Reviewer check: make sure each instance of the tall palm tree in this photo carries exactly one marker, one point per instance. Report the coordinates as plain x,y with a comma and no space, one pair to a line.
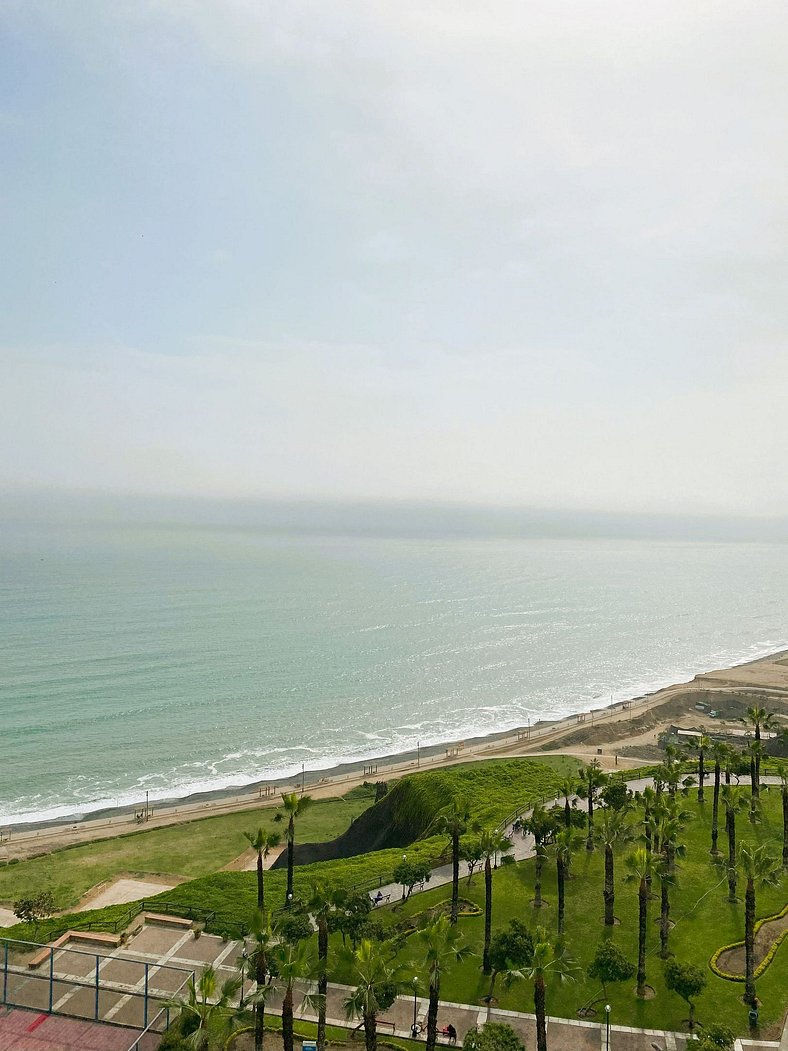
294,962
209,1008
321,903
784,796
640,866
263,842
293,806
376,988
547,960
453,821
732,801
492,842
720,753
441,944
759,719
650,800
671,826
671,767
542,827
613,830
758,866
702,746
565,843
262,935
591,780
754,751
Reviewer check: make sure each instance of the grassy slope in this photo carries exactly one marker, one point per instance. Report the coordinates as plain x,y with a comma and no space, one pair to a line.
191,849
704,922
495,789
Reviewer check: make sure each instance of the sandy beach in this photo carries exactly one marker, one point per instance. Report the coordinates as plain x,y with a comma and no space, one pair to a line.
621,736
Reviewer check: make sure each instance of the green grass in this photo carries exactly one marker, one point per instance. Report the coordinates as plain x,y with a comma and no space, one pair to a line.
704,922
187,850
495,788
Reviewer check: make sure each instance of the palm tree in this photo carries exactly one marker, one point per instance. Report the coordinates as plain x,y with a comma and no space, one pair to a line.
548,959
758,866
592,780
321,903
671,768
293,962
377,987
640,866
208,1008
702,745
441,944
492,842
784,795
755,751
732,802
541,825
613,830
719,753
260,930
293,806
759,719
671,825
565,843
263,842
568,789
650,800
453,821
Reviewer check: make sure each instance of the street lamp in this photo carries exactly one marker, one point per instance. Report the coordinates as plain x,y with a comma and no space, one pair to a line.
414,1029
607,1027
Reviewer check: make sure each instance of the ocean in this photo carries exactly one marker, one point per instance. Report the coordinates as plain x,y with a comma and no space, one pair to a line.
178,658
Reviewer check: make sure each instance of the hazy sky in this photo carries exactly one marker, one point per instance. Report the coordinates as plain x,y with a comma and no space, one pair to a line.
517,252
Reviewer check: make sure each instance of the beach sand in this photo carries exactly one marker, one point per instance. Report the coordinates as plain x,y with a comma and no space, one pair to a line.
620,736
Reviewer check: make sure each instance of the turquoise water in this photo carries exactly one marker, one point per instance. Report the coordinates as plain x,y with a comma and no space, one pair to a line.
174,659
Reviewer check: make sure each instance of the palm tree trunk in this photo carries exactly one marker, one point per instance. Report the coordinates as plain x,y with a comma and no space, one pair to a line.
749,942
715,810
432,1018
567,813
455,876
609,893
539,1011
664,920
730,828
287,1019
701,775
322,981
370,1031
290,844
561,877
642,919
259,1008
538,877
260,883
486,965
590,839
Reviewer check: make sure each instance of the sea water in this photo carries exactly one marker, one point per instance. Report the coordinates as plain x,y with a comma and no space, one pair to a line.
177,659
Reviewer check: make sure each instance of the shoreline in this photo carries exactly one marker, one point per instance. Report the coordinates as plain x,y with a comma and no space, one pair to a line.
762,675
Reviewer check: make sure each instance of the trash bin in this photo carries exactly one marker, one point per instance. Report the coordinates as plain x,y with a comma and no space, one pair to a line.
753,1016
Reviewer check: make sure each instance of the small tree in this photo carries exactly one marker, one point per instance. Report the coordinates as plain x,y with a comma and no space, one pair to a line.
688,981
409,873
510,949
34,909
493,1036
615,794
609,965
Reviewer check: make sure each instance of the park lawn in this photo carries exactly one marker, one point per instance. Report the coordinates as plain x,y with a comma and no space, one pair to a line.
185,851
704,922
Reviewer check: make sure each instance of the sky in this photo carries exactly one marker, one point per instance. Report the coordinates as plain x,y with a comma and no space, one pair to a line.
513,253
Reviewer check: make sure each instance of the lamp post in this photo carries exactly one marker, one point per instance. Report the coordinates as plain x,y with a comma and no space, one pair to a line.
607,1027
289,900
414,1029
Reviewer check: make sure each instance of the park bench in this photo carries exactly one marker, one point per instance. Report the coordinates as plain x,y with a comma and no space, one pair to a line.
88,937
163,920
380,901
